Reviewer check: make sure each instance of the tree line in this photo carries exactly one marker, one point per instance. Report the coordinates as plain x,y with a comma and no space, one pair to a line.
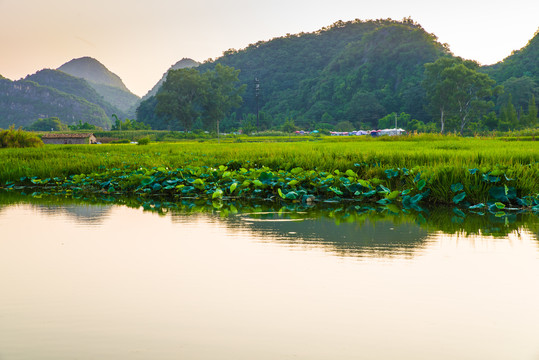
355,75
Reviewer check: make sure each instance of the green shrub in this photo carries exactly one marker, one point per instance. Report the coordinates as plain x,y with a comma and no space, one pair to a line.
144,141
120,141
12,138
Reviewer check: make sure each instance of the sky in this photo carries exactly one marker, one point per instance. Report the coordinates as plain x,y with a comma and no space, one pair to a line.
140,39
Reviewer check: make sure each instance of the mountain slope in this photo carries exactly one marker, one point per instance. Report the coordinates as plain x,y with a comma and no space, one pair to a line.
520,63
75,86
355,71
106,83
376,75
182,64
23,102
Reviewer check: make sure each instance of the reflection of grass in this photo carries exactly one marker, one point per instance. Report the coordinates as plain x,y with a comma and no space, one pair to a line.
434,219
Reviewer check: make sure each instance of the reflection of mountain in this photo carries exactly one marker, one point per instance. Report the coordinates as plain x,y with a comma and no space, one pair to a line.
82,214
370,238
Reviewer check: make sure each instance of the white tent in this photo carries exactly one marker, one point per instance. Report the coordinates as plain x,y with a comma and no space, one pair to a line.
392,132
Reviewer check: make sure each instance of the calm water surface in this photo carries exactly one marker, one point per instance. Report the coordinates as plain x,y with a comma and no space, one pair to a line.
111,282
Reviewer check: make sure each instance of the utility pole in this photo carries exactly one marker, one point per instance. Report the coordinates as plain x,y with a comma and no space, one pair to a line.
257,93
395,121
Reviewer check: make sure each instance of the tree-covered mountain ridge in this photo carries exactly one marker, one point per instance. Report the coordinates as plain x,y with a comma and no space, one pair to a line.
522,62
23,102
354,72
71,98
76,86
106,83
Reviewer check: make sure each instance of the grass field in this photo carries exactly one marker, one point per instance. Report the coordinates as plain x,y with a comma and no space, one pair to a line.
441,160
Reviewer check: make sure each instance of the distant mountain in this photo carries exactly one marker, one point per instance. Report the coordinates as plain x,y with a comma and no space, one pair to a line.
92,70
182,64
76,86
23,102
106,83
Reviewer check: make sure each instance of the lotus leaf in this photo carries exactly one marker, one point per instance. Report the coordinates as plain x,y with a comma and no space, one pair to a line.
499,205
459,197
457,187
351,173
393,195
292,183
217,194
291,195
459,212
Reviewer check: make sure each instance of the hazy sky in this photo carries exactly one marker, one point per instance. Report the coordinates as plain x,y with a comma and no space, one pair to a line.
140,39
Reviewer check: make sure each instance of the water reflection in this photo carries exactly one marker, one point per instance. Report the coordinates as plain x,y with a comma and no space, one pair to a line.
344,230
260,281
380,238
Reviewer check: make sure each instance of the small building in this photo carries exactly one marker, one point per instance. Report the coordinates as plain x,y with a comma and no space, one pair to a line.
69,139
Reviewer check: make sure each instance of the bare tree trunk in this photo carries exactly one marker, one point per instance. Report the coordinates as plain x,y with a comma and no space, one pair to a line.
442,120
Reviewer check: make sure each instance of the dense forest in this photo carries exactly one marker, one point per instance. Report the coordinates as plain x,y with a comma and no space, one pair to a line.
361,74
84,96
23,102
76,86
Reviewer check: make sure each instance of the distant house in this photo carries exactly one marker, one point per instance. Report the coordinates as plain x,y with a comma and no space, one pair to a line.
69,139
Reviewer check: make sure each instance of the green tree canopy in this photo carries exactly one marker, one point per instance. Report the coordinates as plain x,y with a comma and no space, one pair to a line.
48,124
188,95
220,94
129,124
85,126
455,88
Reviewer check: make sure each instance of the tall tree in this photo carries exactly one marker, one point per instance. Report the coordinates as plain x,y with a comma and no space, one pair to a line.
438,89
471,92
508,115
531,117
220,94
455,87
178,100
188,96
521,90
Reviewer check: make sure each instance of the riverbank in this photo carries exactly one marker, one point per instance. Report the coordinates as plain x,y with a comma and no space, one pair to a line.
485,174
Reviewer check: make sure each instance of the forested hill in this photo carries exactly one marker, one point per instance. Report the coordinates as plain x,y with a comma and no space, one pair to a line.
75,86
351,71
523,62
519,76
360,75
23,102
105,82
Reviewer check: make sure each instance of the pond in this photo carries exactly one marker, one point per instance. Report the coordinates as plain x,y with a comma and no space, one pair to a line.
104,281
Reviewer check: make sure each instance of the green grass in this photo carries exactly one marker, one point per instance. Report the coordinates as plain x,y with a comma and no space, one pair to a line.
327,155
441,160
